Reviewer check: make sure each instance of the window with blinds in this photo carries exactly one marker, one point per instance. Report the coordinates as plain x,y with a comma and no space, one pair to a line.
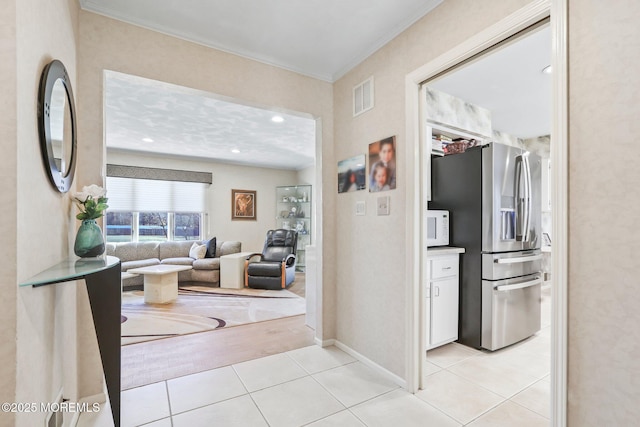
154,209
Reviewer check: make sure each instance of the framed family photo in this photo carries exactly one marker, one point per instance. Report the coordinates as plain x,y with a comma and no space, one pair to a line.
243,205
382,161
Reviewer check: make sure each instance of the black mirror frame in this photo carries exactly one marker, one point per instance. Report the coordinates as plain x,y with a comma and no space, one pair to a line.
53,72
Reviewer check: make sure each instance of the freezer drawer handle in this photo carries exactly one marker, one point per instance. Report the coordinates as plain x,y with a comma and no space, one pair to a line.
527,284
518,259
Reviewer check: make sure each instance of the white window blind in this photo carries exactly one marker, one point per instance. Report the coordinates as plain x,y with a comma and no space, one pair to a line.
144,195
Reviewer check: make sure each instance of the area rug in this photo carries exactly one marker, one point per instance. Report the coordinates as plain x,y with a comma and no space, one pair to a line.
200,309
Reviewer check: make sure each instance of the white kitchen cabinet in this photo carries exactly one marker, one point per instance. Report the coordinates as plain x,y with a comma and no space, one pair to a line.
442,296
444,311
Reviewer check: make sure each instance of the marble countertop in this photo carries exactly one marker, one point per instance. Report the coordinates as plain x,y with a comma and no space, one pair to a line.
444,250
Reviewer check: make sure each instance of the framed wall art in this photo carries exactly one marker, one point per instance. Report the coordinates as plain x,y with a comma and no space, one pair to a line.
243,205
352,174
382,161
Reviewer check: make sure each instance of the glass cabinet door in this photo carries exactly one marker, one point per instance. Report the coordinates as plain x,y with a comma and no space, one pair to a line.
293,212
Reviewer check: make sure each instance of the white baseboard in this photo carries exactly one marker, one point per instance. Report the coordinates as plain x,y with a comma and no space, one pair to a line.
370,363
324,343
100,398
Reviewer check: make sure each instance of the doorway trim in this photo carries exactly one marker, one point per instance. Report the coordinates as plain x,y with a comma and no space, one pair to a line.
512,24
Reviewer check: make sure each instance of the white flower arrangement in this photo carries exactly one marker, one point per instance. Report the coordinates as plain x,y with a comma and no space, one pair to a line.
91,201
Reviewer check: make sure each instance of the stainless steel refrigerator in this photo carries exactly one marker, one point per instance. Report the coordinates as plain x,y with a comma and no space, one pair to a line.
493,195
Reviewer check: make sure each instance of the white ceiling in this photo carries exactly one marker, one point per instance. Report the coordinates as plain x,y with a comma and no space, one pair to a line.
510,83
323,39
320,38
187,122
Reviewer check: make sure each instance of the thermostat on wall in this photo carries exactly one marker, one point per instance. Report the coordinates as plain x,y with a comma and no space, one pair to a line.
360,208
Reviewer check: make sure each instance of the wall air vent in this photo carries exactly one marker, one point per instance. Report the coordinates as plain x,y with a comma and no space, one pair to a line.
363,97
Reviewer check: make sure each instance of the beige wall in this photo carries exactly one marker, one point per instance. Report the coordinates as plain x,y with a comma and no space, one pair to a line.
48,326
106,44
225,178
8,207
604,99
604,201
371,276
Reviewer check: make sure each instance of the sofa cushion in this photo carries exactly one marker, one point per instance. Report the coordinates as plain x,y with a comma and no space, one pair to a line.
197,251
211,248
227,248
206,264
126,265
205,276
176,249
135,251
178,261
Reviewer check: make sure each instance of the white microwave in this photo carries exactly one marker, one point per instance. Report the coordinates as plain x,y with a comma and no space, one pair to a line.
437,228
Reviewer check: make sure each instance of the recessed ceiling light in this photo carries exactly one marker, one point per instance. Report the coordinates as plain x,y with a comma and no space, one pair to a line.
277,119
235,151
547,69
147,139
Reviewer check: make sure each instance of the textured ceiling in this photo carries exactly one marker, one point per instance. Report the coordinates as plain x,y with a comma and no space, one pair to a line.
192,123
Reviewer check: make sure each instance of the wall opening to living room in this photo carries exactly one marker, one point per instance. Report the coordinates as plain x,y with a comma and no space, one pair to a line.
153,126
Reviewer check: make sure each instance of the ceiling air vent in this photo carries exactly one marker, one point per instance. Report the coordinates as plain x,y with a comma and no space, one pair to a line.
363,97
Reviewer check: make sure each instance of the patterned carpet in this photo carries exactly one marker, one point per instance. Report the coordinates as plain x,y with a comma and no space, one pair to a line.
199,309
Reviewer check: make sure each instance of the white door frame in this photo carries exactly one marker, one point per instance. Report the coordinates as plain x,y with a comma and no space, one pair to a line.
521,19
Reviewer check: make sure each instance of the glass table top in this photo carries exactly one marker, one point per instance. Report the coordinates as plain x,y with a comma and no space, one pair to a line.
71,269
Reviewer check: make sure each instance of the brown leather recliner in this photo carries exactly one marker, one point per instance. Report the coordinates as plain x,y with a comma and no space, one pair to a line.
276,266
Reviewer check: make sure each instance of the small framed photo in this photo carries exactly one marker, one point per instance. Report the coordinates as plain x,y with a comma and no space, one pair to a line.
352,174
243,205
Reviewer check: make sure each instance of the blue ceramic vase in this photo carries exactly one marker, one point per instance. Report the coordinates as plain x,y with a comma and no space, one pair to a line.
89,240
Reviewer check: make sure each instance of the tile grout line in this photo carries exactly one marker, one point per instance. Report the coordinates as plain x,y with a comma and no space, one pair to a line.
251,395
504,399
166,388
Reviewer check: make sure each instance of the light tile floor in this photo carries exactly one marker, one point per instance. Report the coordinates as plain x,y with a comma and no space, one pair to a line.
324,387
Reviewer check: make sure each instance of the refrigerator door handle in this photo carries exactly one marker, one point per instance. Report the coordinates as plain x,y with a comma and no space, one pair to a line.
527,284
518,196
517,260
527,196
523,197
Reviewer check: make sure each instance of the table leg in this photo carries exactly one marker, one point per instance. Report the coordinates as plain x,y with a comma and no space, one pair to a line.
160,288
105,296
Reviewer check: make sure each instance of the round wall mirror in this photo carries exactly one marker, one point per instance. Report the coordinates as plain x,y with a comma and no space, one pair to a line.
57,125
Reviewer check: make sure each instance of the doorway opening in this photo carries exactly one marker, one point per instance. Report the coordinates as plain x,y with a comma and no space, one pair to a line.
156,126
467,54
492,312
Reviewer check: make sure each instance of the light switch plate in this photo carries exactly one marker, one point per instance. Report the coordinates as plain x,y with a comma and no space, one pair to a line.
383,205
361,208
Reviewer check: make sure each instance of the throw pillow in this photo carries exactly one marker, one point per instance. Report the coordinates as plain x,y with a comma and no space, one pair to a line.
211,248
197,251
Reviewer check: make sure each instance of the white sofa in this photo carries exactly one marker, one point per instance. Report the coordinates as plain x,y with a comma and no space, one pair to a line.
143,254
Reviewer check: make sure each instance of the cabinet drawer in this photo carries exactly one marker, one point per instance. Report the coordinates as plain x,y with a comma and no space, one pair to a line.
444,267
